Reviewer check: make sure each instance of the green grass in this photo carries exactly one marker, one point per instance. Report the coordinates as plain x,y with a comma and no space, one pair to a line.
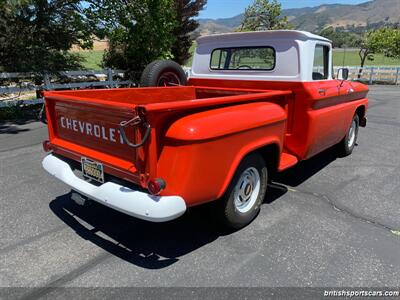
92,59
351,58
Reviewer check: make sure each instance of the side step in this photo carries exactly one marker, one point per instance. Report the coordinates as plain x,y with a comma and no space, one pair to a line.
287,161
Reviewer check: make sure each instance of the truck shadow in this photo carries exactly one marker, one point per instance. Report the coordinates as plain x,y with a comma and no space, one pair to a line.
156,246
145,244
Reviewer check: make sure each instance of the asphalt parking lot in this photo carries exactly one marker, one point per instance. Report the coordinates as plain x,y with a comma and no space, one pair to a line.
327,222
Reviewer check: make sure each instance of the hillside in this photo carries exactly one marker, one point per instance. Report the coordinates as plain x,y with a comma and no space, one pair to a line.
371,14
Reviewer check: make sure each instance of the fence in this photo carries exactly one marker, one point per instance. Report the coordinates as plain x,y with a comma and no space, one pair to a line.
371,75
65,80
22,82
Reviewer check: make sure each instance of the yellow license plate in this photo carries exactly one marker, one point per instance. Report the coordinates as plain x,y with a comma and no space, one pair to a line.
92,170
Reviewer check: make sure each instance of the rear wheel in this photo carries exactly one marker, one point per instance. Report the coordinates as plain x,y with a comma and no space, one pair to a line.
245,194
163,73
348,143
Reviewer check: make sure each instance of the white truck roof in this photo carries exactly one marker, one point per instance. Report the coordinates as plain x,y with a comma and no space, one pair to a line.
293,50
261,35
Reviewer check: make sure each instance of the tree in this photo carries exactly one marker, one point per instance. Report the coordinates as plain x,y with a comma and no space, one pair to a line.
264,15
138,31
185,25
36,35
384,40
340,38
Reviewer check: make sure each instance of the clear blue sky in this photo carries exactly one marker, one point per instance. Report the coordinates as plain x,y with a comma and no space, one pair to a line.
228,8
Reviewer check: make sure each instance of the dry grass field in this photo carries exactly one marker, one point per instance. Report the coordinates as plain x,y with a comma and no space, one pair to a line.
98,45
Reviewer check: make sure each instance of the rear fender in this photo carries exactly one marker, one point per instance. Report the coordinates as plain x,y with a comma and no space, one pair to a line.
208,147
225,121
246,150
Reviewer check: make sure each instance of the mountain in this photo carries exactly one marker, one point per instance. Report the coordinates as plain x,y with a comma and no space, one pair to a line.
211,26
367,15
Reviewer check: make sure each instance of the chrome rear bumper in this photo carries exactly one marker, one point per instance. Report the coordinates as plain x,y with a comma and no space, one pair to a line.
134,203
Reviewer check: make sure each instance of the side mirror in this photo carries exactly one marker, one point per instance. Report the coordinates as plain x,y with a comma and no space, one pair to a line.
343,74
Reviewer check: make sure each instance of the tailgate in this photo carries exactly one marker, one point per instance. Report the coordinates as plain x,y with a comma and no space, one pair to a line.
79,128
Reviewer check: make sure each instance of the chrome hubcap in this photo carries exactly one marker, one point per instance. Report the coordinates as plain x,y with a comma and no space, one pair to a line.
352,134
246,190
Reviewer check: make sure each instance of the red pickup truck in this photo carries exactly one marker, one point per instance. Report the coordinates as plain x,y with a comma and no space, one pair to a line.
254,104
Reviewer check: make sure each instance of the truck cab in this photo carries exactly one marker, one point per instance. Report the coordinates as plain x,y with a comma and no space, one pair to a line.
279,55
255,103
287,60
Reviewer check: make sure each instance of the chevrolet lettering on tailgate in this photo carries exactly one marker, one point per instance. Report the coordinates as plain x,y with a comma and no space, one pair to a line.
99,131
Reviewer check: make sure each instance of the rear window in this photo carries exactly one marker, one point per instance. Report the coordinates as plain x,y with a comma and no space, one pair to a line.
243,58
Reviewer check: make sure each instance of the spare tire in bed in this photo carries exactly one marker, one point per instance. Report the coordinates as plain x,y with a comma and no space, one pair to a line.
163,73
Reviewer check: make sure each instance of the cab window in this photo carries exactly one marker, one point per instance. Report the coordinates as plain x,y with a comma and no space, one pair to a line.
321,63
243,58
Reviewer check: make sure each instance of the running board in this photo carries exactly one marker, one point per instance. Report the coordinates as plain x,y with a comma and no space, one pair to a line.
287,161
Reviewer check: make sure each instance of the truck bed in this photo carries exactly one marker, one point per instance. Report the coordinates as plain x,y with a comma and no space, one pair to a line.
87,123
165,97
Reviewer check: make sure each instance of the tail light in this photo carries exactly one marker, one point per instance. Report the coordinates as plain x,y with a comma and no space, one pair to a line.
155,186
47,146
